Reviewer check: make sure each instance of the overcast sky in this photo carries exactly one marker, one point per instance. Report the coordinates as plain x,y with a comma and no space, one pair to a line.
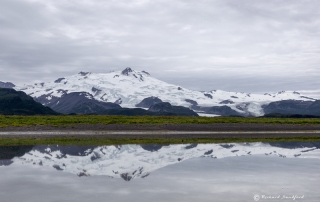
234,45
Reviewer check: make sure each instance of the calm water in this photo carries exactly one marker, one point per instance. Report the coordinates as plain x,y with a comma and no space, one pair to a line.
193,172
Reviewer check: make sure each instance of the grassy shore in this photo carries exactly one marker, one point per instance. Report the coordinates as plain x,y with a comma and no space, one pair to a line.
120,141
20,121
81,122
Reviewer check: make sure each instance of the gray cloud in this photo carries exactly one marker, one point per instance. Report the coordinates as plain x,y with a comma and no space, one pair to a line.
248,45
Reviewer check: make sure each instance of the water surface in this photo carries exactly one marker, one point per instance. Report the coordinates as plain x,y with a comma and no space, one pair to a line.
189,172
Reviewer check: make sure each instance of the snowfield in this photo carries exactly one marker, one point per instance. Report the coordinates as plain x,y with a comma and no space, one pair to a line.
129,87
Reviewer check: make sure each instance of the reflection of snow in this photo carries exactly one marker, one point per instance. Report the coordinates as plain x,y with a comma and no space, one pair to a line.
131,161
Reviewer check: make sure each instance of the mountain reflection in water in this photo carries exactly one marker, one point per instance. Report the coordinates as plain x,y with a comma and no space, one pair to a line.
138,161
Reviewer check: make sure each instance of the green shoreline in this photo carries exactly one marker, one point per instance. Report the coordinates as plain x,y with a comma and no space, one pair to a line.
152,123
19,121
120,141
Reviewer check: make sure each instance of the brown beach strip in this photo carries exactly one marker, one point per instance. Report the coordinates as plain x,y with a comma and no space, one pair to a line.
217,130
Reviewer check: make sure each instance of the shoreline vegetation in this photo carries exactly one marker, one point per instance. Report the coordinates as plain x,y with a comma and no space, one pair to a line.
154,124
121,141
64,120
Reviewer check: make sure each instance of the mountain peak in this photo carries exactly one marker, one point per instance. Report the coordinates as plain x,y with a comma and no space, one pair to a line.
126,71
84,73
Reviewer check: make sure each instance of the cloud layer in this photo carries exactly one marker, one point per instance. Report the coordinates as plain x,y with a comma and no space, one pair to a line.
247,45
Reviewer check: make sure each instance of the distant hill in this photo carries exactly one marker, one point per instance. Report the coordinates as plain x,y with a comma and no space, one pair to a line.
14,102
159,109
167,108
79,103
277,115
148,102
84,103
294,107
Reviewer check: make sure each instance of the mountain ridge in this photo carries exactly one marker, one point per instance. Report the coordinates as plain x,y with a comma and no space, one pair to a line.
130,87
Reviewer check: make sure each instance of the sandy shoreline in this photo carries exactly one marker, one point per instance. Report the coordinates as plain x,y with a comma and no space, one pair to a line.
218,130
161,134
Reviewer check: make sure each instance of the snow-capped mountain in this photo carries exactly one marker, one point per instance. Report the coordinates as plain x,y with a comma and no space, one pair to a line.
138,161
129,87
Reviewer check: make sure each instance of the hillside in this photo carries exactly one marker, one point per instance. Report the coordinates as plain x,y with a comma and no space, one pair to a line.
14,102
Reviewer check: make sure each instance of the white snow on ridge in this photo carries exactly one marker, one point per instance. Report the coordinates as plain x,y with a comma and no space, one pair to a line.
132,161
311,93
133,86
208,115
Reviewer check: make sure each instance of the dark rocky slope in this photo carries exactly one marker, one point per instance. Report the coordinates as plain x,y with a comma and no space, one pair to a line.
166,107
14,102
148,102
80,103
293,107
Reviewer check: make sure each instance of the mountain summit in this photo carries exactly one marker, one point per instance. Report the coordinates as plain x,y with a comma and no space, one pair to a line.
126,71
